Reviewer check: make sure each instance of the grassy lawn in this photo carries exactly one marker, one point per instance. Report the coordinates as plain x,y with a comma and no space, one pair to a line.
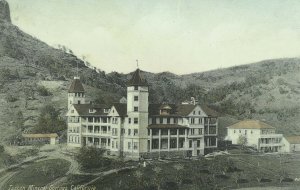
201,174
40,173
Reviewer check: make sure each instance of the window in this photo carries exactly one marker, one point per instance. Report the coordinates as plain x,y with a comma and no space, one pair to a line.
181,131
161,120
173,143
78,101
153,120
116,144
72,111
233,131
194,112
136,109
112,144
97,129
175,120
190,143
168,120
164,131
90,128
198,143
192,120
155,132
136,120
173,131
240,131
135,145
129,131
136,87
245,132
129,145
135,132
90,119
181,142
129,120
164,144
199,112
155,144
136,98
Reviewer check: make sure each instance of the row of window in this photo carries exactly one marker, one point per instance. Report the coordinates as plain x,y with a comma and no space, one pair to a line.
96,129
73,139
133,145
245,131
73,129
73,119
114,144
77,94
135,120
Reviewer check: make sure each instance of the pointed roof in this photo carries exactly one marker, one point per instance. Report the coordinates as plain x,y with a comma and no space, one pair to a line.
76,86
121,109
137,79
251,124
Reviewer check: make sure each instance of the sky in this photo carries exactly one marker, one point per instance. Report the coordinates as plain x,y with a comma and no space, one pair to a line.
180,36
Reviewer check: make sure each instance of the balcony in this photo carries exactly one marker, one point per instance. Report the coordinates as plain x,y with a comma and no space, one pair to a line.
267,136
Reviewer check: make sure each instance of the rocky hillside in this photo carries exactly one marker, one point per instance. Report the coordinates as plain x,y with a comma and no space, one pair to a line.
268,90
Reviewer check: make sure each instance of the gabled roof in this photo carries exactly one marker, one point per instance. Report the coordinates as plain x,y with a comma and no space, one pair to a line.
121,109
180,109
293,139
209,112
137,79
251,124
76,86
185,109
166,126
84,109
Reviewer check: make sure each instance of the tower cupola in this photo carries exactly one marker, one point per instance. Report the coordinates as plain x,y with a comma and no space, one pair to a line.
76,93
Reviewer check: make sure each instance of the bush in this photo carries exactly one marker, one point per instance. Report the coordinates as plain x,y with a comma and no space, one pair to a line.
11,98
43,91
92,157
1,149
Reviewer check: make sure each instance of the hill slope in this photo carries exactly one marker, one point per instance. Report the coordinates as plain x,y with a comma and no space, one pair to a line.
268,90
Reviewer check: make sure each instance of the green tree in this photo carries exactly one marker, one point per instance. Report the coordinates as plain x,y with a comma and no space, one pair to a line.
91,157
50,121
1,149
20,120
242,141
43,91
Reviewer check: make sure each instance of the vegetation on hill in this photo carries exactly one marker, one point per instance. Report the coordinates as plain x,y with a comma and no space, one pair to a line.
33,74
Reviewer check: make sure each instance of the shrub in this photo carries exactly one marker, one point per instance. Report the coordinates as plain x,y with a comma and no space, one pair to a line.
92,157
1,149
43,91
11,98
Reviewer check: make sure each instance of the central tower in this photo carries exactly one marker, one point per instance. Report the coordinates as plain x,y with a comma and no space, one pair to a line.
137,111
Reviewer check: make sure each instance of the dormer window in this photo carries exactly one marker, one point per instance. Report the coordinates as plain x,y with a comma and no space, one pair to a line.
91,110
106,110
165,110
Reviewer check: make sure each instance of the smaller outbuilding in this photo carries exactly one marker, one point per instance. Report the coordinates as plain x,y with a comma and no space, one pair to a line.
291,144
48,138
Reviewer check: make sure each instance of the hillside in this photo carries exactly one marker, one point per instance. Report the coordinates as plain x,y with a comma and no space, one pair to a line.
267,90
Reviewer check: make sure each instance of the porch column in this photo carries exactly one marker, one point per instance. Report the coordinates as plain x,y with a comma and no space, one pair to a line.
177,139
185,138
150,147
168,139
159,141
